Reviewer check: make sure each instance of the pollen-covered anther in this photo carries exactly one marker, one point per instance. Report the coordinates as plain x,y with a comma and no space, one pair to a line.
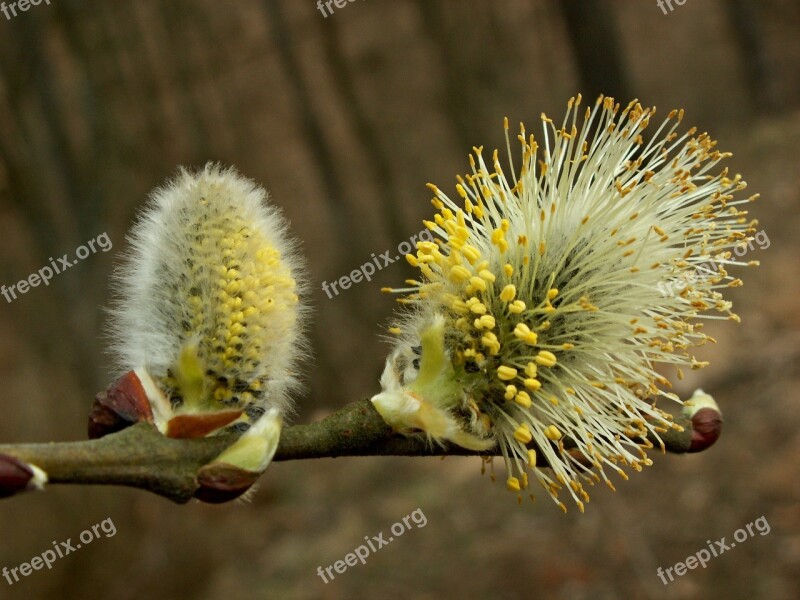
532,384
471,253
477,307
523,333
552,432
516,307
523,399
523,433
485,322
508,293
487,275
459,274
545,359
477,284
490,342
506,373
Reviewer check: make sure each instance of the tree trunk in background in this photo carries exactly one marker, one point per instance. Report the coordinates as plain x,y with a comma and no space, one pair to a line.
593,34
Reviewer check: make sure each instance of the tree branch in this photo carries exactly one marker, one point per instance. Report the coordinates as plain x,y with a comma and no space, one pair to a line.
139,456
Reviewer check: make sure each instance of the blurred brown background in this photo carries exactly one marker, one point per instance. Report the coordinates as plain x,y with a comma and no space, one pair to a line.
344,119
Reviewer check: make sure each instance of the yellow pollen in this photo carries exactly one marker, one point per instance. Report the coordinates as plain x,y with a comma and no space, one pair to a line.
477,283
551,432
523,434
516,307
489,340
523,399
512,483
508,293
459,306
478,308
532,384
511,392
531,458
457,274
471,253
530,369
486,275
395,330
523,333
545,358
508,270
485,322
505,373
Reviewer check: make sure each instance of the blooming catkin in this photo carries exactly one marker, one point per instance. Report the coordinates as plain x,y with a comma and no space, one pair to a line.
539,318
207,312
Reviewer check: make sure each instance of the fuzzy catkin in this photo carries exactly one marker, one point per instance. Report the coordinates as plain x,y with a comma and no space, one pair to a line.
207,302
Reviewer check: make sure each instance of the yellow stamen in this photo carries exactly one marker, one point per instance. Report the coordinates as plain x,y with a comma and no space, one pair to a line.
523,433
532,384
523,399
545,358
508,293
506,373
551,432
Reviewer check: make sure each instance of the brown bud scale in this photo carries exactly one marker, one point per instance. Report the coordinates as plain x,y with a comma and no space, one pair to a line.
123,404
222,482
14,475
706,429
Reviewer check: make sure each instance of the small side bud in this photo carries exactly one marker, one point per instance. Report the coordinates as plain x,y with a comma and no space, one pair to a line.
706,420
17,476
219,482
123,404
238,467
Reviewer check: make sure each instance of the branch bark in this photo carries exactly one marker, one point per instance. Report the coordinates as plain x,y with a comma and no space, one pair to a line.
141,457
